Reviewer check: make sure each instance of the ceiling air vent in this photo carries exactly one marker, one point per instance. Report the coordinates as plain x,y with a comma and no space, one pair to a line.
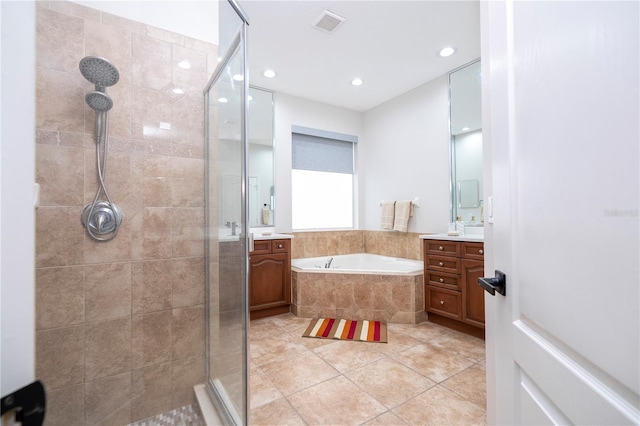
328,22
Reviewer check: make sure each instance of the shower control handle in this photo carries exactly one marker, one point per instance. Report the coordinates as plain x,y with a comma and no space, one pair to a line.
101,219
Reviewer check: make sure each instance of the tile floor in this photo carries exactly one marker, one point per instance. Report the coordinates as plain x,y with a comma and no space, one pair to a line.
425,374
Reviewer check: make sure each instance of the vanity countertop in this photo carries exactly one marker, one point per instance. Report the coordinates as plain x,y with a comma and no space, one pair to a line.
467,237
272,236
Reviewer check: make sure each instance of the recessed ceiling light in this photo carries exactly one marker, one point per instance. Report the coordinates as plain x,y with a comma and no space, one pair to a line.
238,77
446,51
223,100
269,73
178,91
184,65
464,129
357,82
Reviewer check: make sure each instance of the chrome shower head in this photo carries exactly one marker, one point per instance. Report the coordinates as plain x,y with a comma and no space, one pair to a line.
99,71
98,101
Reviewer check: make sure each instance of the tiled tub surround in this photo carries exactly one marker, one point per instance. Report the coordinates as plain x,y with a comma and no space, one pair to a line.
329,243
387,297
397,298
119,325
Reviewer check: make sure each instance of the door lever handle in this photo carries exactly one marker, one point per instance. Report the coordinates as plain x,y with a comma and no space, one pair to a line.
499,283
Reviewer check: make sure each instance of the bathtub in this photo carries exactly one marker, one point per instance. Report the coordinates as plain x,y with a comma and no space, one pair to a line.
364,263
358,287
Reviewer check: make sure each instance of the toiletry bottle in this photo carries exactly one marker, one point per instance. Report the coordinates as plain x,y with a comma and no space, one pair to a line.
266,219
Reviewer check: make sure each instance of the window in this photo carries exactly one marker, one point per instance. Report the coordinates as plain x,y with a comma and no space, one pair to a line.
322,179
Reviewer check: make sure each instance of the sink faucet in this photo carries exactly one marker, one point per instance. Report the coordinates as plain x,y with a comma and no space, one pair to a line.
233,226
328,264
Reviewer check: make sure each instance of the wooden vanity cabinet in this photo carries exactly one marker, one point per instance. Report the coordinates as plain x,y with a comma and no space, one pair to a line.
269,278
453,297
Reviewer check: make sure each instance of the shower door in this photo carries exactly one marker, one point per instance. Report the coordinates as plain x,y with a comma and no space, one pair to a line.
226,216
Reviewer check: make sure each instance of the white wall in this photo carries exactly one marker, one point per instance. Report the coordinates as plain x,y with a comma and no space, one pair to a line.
290,111
405,154
17,148
197,19
402,153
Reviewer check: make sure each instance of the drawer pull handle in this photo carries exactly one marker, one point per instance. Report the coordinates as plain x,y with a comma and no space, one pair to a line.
440,264
280,246
440,248
442,302
481,251
441,280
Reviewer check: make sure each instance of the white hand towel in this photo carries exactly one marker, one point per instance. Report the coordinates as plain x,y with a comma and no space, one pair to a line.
387,214
403,211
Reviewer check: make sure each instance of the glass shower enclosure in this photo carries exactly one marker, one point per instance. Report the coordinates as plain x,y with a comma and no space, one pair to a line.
226,218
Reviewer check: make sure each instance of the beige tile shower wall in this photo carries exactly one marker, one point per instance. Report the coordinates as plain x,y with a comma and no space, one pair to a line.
327,243
120,325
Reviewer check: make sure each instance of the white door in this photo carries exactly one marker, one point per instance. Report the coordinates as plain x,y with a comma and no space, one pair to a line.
561,124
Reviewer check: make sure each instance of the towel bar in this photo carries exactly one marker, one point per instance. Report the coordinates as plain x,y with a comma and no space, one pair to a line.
415,202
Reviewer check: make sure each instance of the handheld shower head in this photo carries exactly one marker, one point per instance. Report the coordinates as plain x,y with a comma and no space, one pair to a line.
99,71
98,101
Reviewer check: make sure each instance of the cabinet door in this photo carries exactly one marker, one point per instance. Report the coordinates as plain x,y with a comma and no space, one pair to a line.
269,280
472,293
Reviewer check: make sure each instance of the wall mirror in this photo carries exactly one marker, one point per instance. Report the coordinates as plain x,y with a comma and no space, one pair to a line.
466,144
261,170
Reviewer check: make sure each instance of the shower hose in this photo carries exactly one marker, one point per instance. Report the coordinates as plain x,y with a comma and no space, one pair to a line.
101,135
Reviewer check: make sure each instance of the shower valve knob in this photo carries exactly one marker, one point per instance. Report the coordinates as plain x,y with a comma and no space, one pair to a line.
103,219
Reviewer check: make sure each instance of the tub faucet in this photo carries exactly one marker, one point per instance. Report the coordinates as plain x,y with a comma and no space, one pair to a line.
328,264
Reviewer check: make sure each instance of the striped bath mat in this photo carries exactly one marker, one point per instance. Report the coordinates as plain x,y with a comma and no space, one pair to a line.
332,328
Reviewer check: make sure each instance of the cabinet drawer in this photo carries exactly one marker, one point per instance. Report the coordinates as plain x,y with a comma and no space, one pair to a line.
443,264
473,250
438,279
261,247
444,302
280,246
442,247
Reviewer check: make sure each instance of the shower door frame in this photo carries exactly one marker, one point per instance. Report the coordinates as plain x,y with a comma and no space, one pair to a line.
237,46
